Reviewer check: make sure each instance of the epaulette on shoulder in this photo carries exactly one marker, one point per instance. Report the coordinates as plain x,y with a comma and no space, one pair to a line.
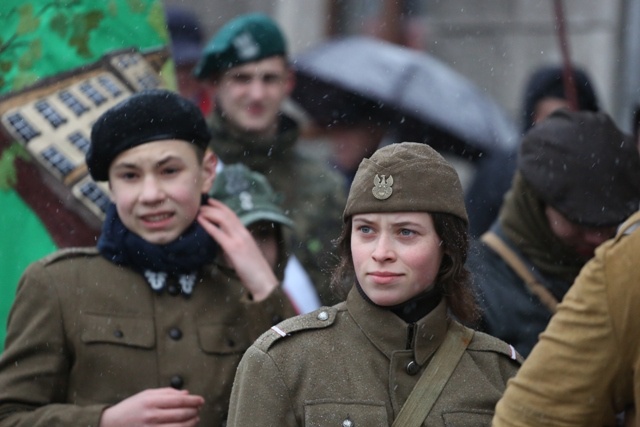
68,253
318,319
485,342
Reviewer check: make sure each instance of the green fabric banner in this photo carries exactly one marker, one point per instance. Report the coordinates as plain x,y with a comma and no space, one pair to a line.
24,239
43,38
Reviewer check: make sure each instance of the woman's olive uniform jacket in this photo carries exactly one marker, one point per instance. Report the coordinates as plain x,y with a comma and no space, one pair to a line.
84,334
355,364
586,367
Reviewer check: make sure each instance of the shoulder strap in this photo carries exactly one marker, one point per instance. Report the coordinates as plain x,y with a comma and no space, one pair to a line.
435,377
513,260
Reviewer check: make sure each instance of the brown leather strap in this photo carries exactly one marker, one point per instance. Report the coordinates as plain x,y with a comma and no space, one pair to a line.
513,260
435,376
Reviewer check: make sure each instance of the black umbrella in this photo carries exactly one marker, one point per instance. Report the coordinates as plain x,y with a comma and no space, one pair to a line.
419,96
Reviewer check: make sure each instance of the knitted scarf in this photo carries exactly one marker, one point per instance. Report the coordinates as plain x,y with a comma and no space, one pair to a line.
525,224
180,259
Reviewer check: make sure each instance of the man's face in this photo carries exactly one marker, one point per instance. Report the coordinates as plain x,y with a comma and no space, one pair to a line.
584,240
546,106
157,187
250,95
188,85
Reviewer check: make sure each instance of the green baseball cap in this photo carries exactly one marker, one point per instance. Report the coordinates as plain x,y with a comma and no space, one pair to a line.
246,38
249,195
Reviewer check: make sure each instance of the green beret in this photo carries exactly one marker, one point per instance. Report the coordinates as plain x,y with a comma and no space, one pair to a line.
249,195
146,116
582,165
246,38
406,177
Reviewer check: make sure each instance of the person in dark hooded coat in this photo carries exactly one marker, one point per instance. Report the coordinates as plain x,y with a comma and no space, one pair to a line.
544,92
578,179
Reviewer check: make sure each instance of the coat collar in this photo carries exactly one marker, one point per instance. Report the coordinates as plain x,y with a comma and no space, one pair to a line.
258,153
389,333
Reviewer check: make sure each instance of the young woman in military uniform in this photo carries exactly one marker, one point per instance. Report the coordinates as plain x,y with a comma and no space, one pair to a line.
394,351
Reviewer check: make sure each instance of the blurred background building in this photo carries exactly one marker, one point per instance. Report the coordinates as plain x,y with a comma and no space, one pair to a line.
495,43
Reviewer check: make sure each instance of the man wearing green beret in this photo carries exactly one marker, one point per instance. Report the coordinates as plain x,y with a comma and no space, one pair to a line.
246,63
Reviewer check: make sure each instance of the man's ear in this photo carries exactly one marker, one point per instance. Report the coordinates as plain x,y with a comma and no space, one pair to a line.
209,165
290,83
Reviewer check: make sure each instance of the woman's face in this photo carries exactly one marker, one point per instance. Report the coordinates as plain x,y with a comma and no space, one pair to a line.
396,256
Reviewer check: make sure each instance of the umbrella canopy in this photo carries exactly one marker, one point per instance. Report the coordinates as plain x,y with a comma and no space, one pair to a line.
420,97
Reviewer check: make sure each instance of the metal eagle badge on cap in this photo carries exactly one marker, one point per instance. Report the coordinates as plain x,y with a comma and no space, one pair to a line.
246,46
382,187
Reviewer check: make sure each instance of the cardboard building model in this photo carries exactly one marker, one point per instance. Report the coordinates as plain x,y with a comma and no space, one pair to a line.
53,120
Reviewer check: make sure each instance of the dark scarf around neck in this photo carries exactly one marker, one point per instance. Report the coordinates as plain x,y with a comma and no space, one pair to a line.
180,259
525,224
413,309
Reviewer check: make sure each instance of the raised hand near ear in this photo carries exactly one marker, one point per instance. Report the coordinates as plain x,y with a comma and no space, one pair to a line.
241,251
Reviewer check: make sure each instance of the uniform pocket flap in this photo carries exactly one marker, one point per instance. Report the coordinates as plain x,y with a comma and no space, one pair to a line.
345,413
223,339
117,329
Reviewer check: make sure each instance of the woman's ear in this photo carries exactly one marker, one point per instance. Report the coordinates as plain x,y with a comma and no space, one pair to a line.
209,165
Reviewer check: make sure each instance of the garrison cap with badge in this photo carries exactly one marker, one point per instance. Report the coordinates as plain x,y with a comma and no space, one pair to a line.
246,38
249,195
406,177
147,116
582,165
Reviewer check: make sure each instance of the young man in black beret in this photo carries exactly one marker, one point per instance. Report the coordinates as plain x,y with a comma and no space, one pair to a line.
578,179
144,329
246,64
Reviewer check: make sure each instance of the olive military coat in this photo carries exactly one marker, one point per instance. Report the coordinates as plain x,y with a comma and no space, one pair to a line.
313,194
84,334
586,367
355,364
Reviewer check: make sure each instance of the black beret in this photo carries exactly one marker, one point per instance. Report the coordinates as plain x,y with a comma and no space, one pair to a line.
582,165
146,116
